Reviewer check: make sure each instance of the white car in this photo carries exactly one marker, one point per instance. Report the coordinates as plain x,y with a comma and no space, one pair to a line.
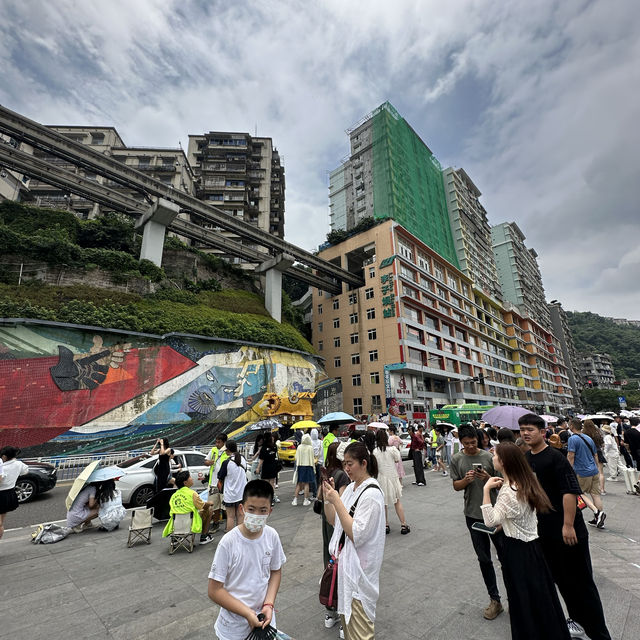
404,447
136,483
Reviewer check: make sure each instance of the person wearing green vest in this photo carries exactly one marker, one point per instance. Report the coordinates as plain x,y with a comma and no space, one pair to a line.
328,439
186,500
214,460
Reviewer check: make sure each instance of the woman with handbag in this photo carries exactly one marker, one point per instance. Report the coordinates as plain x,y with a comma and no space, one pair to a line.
357,544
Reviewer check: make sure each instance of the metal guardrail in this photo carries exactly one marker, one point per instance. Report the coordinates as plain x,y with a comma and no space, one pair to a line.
70,467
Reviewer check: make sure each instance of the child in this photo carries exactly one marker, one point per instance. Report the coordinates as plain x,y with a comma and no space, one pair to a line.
247,568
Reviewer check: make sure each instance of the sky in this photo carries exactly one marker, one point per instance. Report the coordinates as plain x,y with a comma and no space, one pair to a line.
538,102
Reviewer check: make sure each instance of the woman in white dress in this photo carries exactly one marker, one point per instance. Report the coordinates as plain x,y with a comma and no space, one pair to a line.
387,457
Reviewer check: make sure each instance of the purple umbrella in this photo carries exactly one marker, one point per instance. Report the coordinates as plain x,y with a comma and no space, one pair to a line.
506,416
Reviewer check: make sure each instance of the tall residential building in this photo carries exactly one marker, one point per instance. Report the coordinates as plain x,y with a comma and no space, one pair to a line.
471,231
242,175
519,274
391,173
562,332
596,370
418,332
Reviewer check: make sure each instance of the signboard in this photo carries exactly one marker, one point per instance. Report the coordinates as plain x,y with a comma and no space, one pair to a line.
624,383
622,400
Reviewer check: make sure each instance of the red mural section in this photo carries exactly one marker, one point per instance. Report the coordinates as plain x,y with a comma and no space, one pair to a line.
41,398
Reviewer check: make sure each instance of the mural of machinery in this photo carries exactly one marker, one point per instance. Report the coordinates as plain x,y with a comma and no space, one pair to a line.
67,389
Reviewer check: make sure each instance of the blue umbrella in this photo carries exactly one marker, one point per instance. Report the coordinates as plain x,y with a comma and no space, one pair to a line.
506,416
105,473
336,416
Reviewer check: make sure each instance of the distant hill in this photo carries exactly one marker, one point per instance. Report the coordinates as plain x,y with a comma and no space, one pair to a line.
592,332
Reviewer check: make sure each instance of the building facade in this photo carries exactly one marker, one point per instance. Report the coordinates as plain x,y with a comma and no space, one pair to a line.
596,370
562,331
391,173
243,175
419,330
518,272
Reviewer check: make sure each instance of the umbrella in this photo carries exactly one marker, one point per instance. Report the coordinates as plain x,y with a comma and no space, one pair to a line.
598,416
446,424
547,418
506,416
378,425
336,417
305,424
269,425
105,473
79,483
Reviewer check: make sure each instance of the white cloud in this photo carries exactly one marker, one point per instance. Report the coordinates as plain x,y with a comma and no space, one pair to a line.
545,119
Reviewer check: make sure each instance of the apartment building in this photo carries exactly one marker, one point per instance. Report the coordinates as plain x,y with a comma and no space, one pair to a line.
471,231
422,326
391,173
518,272
562,332
596,370
243,175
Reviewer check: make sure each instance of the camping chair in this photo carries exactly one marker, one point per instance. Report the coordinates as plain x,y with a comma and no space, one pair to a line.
182,536
140,527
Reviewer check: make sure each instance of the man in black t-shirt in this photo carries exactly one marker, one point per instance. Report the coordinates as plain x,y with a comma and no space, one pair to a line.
631,437
563,534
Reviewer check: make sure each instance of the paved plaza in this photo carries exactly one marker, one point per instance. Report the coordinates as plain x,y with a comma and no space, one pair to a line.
92,586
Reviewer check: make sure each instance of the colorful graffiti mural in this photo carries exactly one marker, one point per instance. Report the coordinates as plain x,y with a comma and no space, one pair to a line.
65,389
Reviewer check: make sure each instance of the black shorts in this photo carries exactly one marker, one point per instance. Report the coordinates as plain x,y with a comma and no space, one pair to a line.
8,500
231,504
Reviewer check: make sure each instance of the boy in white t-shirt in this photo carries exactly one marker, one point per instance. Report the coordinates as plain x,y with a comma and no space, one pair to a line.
247,568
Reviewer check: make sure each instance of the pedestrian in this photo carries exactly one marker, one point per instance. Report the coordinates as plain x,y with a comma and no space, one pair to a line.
83,510
269,465
440,446
214,460
328,439
449,442
233,475
396,441
631,437
582,456
317,454
470,469
162,468
304,475
590,429
359,514
525,573
10,470
612,454
492,433
563,535
247,568
417,447
506,435
386,458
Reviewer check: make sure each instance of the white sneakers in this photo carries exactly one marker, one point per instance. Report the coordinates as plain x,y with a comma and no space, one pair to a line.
330,620
294,502
306,502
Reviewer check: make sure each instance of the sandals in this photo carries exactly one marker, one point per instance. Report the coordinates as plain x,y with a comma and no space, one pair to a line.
387,530
405,529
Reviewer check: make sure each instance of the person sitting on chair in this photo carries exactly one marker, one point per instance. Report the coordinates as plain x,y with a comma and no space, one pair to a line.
186,500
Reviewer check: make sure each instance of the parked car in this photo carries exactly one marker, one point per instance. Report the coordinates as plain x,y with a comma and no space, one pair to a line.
136,483
405,452
42,477
287,451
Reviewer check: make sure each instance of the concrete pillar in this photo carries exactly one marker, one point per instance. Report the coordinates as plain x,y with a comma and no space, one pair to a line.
273,269
154,224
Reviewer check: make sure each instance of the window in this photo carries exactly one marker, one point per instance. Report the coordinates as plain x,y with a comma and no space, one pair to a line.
320,345
336,323
372,274
412,314
405,250
376,403
357,405
354,338
407,273
374,376
353,318
368,293
319,309
355,380
373,355
372,334
423,261
353,298
355,358
447,346
437,272
371,314
336,303
431,322
337,362
320,327
336,342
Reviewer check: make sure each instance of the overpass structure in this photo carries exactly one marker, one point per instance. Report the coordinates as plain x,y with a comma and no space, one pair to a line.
159,207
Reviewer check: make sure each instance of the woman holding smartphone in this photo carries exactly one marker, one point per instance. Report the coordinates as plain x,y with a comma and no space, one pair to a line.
535,612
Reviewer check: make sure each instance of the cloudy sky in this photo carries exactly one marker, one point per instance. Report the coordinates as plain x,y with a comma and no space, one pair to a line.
538,101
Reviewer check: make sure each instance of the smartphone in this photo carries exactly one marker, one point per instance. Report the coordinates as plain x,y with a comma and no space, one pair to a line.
477,466
324,476
482,527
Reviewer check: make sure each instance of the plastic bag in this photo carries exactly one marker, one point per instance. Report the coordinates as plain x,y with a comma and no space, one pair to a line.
49,533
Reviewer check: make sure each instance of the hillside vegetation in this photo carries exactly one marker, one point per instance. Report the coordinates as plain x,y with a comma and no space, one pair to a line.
110,243
592,332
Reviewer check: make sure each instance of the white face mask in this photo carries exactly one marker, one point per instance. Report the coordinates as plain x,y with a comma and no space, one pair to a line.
254,522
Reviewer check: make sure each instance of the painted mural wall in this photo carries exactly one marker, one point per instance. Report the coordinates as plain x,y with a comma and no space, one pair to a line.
68,389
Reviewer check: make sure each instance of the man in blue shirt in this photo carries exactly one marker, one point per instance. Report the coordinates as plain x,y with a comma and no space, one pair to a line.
583,458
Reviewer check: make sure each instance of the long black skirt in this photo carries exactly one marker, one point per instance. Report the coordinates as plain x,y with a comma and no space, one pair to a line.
8,500
535,612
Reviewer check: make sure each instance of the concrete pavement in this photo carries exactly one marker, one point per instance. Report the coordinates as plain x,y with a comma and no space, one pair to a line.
92,586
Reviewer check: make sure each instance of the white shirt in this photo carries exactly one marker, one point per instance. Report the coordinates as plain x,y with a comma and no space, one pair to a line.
517,518
244,567
11,470
360,561
235,481
610,444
